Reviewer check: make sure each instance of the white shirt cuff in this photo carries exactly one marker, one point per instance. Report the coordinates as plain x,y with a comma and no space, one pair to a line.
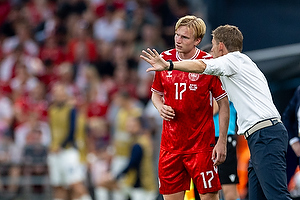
293,140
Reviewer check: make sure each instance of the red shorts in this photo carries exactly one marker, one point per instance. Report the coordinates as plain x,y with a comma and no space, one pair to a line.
176,170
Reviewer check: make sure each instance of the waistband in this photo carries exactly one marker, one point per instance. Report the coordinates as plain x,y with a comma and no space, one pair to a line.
260,125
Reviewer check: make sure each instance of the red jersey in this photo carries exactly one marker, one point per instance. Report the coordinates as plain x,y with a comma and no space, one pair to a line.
190,95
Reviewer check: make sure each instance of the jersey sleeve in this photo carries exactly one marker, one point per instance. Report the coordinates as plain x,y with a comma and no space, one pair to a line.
216,88
157,84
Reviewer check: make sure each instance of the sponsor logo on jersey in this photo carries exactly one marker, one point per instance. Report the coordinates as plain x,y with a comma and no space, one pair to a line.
194,76
193,87
169,74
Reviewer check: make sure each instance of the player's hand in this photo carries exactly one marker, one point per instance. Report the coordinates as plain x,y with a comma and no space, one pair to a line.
154,59
167,112
219,153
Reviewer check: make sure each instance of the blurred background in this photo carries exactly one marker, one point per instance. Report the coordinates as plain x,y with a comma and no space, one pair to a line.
91,48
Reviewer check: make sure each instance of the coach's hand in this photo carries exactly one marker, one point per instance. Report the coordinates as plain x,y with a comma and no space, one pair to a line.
154,59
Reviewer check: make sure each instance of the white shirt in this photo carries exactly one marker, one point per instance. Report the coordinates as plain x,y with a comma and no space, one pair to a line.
107,30
246,86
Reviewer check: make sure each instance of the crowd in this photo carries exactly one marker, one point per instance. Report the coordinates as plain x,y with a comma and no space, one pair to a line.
73,86
83,54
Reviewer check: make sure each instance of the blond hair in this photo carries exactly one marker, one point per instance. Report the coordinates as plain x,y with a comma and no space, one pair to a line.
193,22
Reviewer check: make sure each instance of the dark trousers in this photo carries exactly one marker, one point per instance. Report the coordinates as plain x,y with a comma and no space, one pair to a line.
267,166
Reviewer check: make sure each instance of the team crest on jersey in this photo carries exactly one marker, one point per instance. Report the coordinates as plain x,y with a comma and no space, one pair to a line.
194,76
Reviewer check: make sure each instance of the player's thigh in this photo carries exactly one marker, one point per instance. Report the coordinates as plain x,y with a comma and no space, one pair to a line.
173,177
203,172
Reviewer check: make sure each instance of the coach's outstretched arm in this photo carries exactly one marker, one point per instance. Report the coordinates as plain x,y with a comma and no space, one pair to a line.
159,64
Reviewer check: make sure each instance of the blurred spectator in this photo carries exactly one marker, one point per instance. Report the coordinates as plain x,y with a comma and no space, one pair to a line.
125,68
155,125
151,38
37,11
34,158
123,107
122,80
9,167
139,174
6,113
97,93
6,144
7,26
64,158
23,37
107,28
99,6
8,67
50,75
32,138
33,122
67,7
35,102
52,26
52,51
65,72
99,157
81,52
138,15
81,46
170,12
21,86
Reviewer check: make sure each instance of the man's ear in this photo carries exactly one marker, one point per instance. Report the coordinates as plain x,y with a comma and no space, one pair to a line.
222,48
197,41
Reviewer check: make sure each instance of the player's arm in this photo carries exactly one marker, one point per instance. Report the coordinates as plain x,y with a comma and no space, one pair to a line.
166,112
219,152
159,64
215,107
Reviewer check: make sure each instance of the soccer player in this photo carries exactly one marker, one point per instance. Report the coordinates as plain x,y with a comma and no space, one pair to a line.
184,100
258,119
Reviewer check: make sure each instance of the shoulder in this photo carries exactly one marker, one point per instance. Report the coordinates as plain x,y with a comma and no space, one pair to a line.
169,54
204,55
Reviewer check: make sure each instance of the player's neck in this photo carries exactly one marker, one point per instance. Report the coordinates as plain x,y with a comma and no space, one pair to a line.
187,55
